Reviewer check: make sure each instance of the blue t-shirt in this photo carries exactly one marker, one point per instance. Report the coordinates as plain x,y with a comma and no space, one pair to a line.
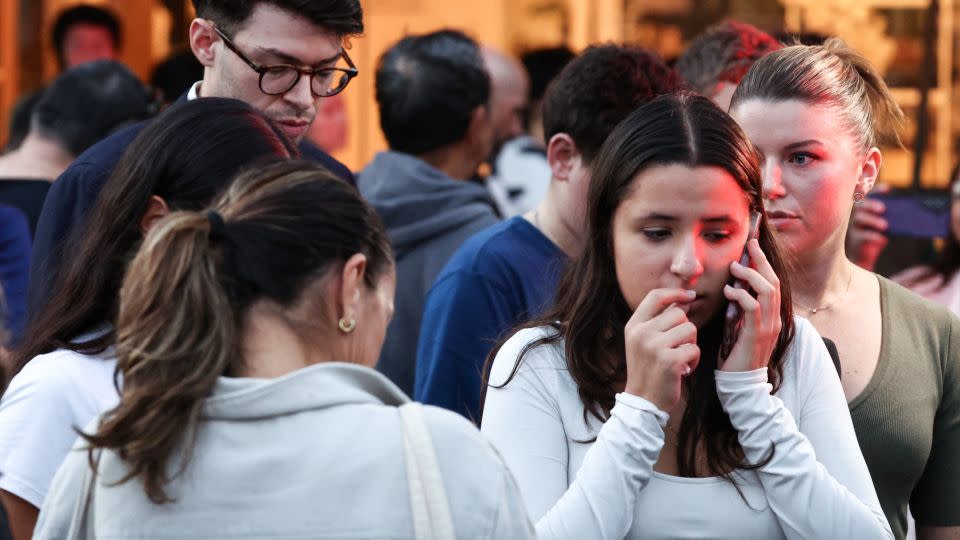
14,270
499,278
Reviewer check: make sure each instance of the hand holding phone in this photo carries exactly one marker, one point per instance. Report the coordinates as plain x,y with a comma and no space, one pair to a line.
734,315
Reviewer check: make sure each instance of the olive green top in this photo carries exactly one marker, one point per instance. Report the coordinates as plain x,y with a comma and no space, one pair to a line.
908,417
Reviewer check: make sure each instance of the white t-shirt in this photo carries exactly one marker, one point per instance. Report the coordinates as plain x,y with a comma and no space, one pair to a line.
46,403
815,486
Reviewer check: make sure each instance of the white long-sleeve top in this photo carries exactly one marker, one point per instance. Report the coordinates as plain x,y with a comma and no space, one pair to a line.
815,486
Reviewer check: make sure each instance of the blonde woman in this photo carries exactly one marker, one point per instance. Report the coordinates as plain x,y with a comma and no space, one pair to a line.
817,115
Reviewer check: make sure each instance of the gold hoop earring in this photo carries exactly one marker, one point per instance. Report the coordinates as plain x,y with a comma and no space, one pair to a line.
347,325
858,197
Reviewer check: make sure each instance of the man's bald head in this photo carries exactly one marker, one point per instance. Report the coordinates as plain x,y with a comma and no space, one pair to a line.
509,96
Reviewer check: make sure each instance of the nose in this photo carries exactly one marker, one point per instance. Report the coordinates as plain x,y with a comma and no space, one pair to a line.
300,95
772,181
687,263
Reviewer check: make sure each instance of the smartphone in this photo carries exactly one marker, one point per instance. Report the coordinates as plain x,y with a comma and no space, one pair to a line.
734,316
917,214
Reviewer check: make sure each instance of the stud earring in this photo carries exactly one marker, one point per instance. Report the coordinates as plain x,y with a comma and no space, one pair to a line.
858,197
347,325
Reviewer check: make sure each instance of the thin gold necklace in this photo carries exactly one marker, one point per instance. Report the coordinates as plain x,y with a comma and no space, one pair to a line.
813,311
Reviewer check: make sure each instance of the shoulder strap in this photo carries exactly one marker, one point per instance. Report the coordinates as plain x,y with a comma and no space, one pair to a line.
78,522
429,506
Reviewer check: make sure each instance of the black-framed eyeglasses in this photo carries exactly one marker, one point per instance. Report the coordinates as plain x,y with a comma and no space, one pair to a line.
278,79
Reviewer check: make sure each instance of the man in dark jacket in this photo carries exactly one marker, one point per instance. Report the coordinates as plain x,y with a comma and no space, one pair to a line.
280,56
433,93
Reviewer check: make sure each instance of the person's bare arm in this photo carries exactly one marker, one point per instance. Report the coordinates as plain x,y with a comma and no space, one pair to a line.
21,515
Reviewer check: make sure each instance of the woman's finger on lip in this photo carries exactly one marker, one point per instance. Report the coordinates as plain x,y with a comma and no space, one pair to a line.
657,301
669,318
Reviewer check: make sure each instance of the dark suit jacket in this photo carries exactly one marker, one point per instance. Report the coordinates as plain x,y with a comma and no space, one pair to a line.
72,196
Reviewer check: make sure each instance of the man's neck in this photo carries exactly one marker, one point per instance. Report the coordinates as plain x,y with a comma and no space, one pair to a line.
452,161
549,220
37,157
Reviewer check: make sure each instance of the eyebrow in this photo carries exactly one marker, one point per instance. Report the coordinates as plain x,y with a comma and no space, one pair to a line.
293,59
708,219
808,142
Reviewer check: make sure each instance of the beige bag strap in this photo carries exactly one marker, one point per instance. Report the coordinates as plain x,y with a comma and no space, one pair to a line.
429,506
78,522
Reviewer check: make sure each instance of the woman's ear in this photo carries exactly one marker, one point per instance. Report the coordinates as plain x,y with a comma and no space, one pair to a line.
157,209
351,281
870,170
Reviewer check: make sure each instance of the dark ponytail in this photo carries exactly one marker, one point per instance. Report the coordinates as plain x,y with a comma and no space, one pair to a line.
274,233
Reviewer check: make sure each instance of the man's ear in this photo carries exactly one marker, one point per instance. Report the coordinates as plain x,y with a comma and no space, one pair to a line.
202,38
562,154
157,209
480,129
870,170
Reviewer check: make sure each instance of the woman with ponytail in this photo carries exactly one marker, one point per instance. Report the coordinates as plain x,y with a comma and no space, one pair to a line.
817,114
64,368
246,340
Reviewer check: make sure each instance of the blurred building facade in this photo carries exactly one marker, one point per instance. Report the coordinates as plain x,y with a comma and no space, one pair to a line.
890,32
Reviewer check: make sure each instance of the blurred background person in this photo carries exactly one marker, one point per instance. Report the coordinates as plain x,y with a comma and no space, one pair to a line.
940,281
175,74
83,105
520,172
64,367
85,33
433,93
20,119
542,65
331,128
14,276
715,62
80,34
509,94
247,335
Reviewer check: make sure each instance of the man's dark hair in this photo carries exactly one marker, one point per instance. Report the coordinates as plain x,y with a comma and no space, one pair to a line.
543,65
20,119
344,17
176,74
84,14
427,89
600,88
88,102
723,53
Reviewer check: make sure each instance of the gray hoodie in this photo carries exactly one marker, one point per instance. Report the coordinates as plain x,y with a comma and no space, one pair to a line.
428,215
317,453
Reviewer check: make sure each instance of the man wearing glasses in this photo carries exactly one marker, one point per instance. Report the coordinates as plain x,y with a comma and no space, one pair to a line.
280,56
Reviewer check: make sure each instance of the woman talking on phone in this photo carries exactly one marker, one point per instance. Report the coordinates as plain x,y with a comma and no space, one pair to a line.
817,114
617,413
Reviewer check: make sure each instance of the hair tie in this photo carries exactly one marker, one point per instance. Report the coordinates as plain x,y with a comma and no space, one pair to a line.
218,228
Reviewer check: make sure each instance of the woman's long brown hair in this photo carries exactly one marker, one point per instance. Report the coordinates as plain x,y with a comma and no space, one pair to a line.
186,156
590,320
